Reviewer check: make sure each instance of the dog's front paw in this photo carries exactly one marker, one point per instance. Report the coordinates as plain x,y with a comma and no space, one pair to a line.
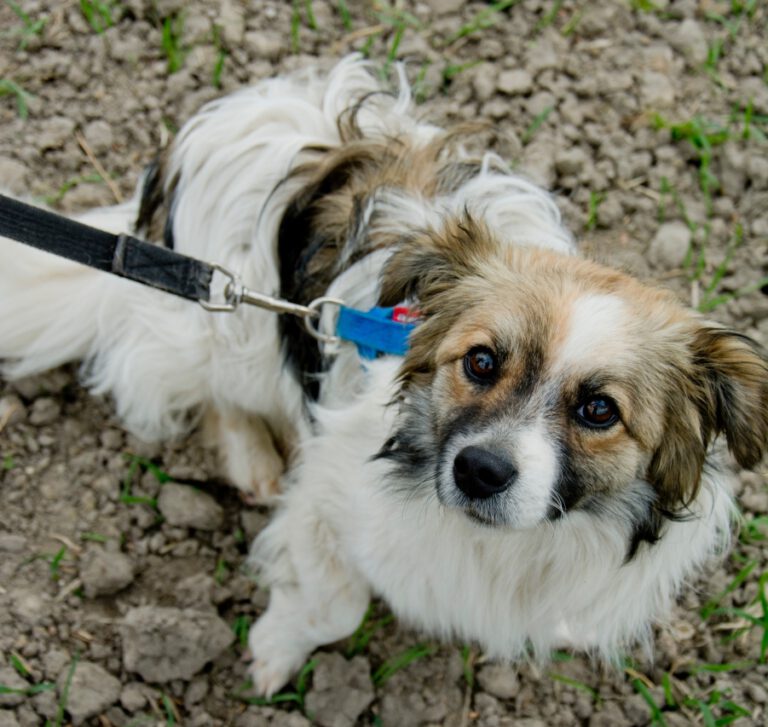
276,657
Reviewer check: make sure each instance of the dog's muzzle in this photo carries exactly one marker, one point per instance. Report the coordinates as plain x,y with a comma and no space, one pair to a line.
480,474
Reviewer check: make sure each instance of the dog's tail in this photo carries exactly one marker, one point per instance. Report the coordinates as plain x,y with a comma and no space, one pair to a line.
53,311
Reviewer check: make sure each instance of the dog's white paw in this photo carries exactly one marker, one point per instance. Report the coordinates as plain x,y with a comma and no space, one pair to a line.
250,458
276,657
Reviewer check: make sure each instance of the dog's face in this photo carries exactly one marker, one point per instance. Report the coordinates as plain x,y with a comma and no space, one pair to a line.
540,383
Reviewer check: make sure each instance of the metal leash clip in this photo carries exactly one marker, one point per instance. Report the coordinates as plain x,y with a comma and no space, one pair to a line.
234,293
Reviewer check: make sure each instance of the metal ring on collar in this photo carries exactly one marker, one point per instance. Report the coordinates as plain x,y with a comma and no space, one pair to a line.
314,329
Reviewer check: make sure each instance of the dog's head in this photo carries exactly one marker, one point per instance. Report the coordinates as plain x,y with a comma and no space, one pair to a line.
540,383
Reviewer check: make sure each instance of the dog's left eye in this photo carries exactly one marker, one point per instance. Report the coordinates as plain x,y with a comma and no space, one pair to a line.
480,365
598,412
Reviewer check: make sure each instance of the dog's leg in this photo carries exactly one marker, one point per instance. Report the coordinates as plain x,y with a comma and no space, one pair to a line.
316,598
248,452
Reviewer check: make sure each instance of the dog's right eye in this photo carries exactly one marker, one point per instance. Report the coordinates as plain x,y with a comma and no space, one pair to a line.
480,365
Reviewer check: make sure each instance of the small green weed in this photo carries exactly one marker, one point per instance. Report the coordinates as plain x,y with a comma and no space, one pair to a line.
549,17
712,605
535,125
484,19
346,16
11,88
359,640
468,657
18,665
8,462
53,199
221,56
29,28
393,665
754,530
94,537
62,706
222,571
595,199
296,21
135,466
55,562
28,691
702,135
241,626
297,697
173,27
576,684
452,70
657,717
98,14
170,710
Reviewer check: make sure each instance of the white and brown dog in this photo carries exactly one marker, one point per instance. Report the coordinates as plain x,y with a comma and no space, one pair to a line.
537,470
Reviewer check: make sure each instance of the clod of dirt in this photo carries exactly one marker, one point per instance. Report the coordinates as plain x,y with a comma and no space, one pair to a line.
9,678
185,506
341,690
89,692
670,245
500,680
104,573
162,644
265,717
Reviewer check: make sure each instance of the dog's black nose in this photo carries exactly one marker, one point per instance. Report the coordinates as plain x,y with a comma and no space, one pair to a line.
479,473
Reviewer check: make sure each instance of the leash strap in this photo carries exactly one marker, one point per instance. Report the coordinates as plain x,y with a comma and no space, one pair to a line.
374,332
377,331
122,255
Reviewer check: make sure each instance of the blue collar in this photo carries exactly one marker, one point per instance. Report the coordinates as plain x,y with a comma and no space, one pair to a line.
377,331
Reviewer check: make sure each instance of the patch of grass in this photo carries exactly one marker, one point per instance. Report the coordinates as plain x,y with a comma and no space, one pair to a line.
11,88
482,20
55,562
28,691
576,684
62,707
452,70
221,56
53,199
29,28
535,125
94,537
222,571
393,665
712,605
296,697
18,665
754,530
8,462
296,21
171,713
468,657
703,136
549,17
241,626
171,44
346,16
135,466
570,27
657,717
98,14
595,199
359,640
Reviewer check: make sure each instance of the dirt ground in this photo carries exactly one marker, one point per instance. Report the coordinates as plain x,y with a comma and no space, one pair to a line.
649,118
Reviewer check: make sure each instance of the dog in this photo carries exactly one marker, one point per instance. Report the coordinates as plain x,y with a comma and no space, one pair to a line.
538,470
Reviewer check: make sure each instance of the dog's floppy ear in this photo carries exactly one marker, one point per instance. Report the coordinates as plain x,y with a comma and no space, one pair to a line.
737,380
724,391
431,262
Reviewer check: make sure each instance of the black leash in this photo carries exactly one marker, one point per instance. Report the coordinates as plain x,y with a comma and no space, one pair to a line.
122,255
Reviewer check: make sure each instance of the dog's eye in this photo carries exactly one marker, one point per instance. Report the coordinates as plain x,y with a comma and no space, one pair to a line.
480,365
598,412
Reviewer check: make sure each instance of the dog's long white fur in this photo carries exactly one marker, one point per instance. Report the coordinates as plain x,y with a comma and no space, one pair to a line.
339,533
